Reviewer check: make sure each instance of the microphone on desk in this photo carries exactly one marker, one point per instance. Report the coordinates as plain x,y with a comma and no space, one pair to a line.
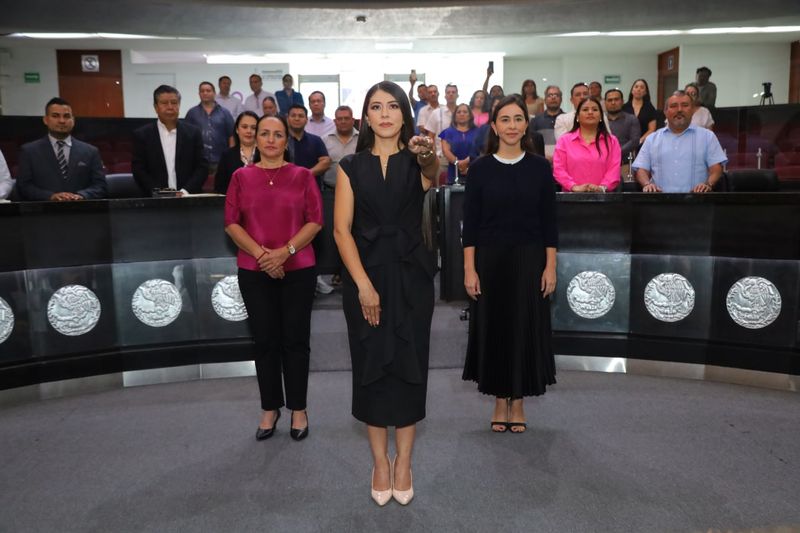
629,176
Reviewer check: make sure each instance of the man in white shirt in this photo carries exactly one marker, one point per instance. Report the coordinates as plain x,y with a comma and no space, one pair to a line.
318,123
168,153
441,117
565,122
254,101
433,104
231,103
6,183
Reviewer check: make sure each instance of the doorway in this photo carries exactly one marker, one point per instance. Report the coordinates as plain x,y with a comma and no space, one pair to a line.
667,75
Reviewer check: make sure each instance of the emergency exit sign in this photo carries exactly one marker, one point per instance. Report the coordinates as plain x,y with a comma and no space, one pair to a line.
32,77
612,78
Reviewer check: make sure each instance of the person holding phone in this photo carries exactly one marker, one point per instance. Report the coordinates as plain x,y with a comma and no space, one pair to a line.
496,92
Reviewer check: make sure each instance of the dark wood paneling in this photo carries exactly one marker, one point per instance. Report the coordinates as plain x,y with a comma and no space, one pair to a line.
91,94
668,63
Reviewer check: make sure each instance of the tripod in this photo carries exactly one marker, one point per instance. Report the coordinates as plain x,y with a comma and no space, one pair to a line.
766,96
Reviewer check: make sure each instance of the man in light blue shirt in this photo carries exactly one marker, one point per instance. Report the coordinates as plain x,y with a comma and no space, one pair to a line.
679,157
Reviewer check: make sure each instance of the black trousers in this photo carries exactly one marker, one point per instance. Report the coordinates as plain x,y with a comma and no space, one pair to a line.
279,312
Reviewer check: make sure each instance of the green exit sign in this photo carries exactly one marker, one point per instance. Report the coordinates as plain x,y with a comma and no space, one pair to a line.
612,78
32,77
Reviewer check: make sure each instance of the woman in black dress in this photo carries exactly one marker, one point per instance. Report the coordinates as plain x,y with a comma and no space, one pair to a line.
388,284
640,106
242,153
510,238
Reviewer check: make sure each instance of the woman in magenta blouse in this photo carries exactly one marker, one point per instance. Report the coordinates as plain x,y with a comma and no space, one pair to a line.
587,159
273,210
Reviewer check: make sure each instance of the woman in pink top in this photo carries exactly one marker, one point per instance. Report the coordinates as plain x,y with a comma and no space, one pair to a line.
273,210
480,108
587,159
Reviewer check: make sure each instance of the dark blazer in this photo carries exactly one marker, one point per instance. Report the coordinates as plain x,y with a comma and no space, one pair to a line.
538,142
150,168
229,162
39,176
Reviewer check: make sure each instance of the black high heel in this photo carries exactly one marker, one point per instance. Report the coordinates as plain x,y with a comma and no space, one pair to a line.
264,434
299,434
502,425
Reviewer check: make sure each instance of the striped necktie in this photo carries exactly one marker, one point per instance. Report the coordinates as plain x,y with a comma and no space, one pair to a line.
62,161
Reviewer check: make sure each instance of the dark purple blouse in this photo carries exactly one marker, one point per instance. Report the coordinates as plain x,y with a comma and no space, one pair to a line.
273,214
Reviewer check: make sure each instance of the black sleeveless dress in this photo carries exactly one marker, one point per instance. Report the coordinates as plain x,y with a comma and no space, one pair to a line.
390,362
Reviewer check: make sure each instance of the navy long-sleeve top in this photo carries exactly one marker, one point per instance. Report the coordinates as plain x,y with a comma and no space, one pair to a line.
510,203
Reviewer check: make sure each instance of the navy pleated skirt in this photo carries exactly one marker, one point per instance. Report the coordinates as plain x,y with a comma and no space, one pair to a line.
509,352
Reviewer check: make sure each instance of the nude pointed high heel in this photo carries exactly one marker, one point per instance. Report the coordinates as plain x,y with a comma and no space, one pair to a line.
403,497
381,497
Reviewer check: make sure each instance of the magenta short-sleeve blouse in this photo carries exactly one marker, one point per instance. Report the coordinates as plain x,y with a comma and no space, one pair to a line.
273,214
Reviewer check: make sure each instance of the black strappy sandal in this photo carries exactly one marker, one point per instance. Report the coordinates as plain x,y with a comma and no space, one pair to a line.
497,423
517,425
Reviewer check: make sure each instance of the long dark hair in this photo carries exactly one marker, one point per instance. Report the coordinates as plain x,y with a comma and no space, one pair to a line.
236,139
493,141
485,106
366,139
535,95
646,97
287,155
602,131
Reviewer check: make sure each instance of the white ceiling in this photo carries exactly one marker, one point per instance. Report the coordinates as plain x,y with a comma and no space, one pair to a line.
521,28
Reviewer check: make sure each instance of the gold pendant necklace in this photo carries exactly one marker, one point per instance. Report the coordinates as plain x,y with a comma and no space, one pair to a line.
274,174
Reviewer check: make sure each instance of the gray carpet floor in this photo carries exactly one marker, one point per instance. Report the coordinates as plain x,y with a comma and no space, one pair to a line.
604,452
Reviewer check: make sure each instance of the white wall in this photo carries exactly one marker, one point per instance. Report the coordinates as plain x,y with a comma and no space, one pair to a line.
543,71
738,73
18,97
140,80
739,69
569,70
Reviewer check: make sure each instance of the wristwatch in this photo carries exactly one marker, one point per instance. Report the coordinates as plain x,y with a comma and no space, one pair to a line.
292,249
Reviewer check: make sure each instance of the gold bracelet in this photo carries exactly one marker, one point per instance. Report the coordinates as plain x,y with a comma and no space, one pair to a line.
425,155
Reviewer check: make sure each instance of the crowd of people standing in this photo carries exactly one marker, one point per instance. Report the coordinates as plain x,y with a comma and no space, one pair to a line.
274,161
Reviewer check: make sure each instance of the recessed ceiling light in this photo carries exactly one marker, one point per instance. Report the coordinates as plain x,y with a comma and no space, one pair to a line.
97,36
643,33
695,31
744,29
581,34
394,46
53,35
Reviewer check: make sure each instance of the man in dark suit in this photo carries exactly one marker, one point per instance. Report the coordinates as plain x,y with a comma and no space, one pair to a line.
169,153
59,167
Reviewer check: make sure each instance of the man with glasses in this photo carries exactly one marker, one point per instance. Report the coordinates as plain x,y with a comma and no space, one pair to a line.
318,123
544,123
